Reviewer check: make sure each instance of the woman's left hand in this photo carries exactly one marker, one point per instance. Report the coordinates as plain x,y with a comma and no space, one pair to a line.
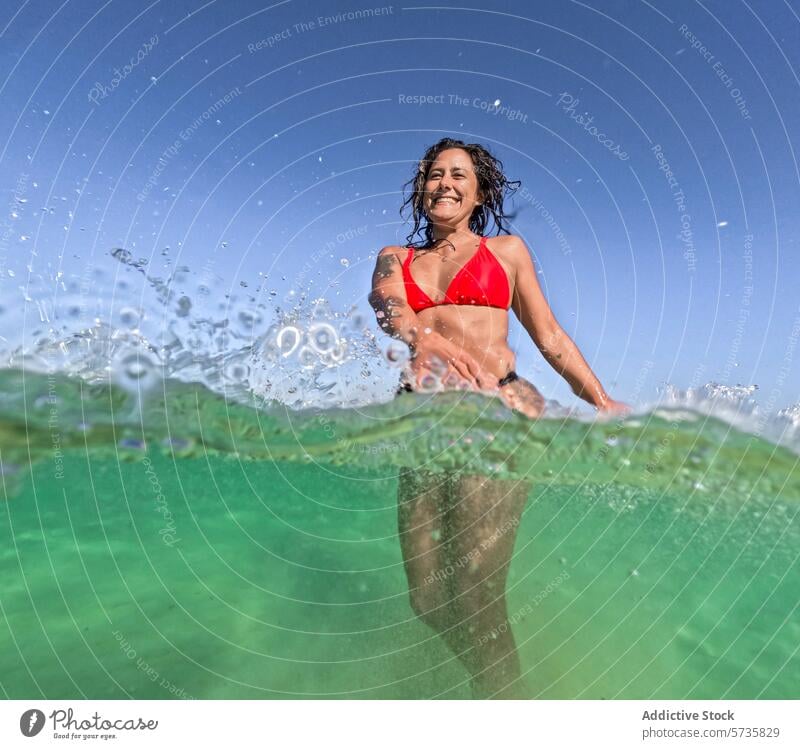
521,396
614,407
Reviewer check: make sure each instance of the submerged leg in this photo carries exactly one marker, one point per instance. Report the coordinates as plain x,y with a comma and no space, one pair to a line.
421,510
482,522
423,507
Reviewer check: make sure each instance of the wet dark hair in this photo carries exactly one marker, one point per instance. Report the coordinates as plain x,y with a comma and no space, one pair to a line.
492,186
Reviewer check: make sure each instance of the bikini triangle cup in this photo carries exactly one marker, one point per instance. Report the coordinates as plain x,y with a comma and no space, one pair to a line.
481,281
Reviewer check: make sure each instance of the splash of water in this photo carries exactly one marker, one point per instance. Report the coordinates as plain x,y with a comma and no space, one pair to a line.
138,331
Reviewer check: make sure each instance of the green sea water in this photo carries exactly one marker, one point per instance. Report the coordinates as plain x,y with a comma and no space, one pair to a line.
185,545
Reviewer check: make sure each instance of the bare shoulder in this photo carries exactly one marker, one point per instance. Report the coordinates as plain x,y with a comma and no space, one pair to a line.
389,261
507,242
392,253
392,249
509,247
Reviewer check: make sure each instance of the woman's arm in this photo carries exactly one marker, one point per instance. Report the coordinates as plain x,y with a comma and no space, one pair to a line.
388,299
397,319
531,307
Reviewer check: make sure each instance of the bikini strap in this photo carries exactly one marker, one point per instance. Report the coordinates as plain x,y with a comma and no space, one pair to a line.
407,261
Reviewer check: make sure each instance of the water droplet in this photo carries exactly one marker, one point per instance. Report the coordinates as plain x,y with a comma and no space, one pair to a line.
322,337
184,306
437,366
135,371
129,317
249,318
288,339
237,372
429,383
396,354
121,254
306,357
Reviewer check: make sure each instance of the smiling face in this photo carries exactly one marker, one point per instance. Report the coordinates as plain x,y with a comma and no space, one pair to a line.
451,188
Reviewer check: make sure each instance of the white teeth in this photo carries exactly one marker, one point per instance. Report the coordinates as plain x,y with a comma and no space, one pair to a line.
445,200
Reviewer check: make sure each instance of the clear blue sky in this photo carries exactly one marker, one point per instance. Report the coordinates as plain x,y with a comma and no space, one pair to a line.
287,140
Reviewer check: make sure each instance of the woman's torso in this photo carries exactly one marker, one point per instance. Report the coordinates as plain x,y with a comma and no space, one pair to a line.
481,331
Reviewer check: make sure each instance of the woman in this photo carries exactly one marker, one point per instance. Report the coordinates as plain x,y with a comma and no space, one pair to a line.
449,300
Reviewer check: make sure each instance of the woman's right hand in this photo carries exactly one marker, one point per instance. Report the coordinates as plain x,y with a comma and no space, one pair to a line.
433,353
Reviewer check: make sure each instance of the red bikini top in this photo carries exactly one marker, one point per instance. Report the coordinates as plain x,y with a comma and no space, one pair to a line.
482,282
